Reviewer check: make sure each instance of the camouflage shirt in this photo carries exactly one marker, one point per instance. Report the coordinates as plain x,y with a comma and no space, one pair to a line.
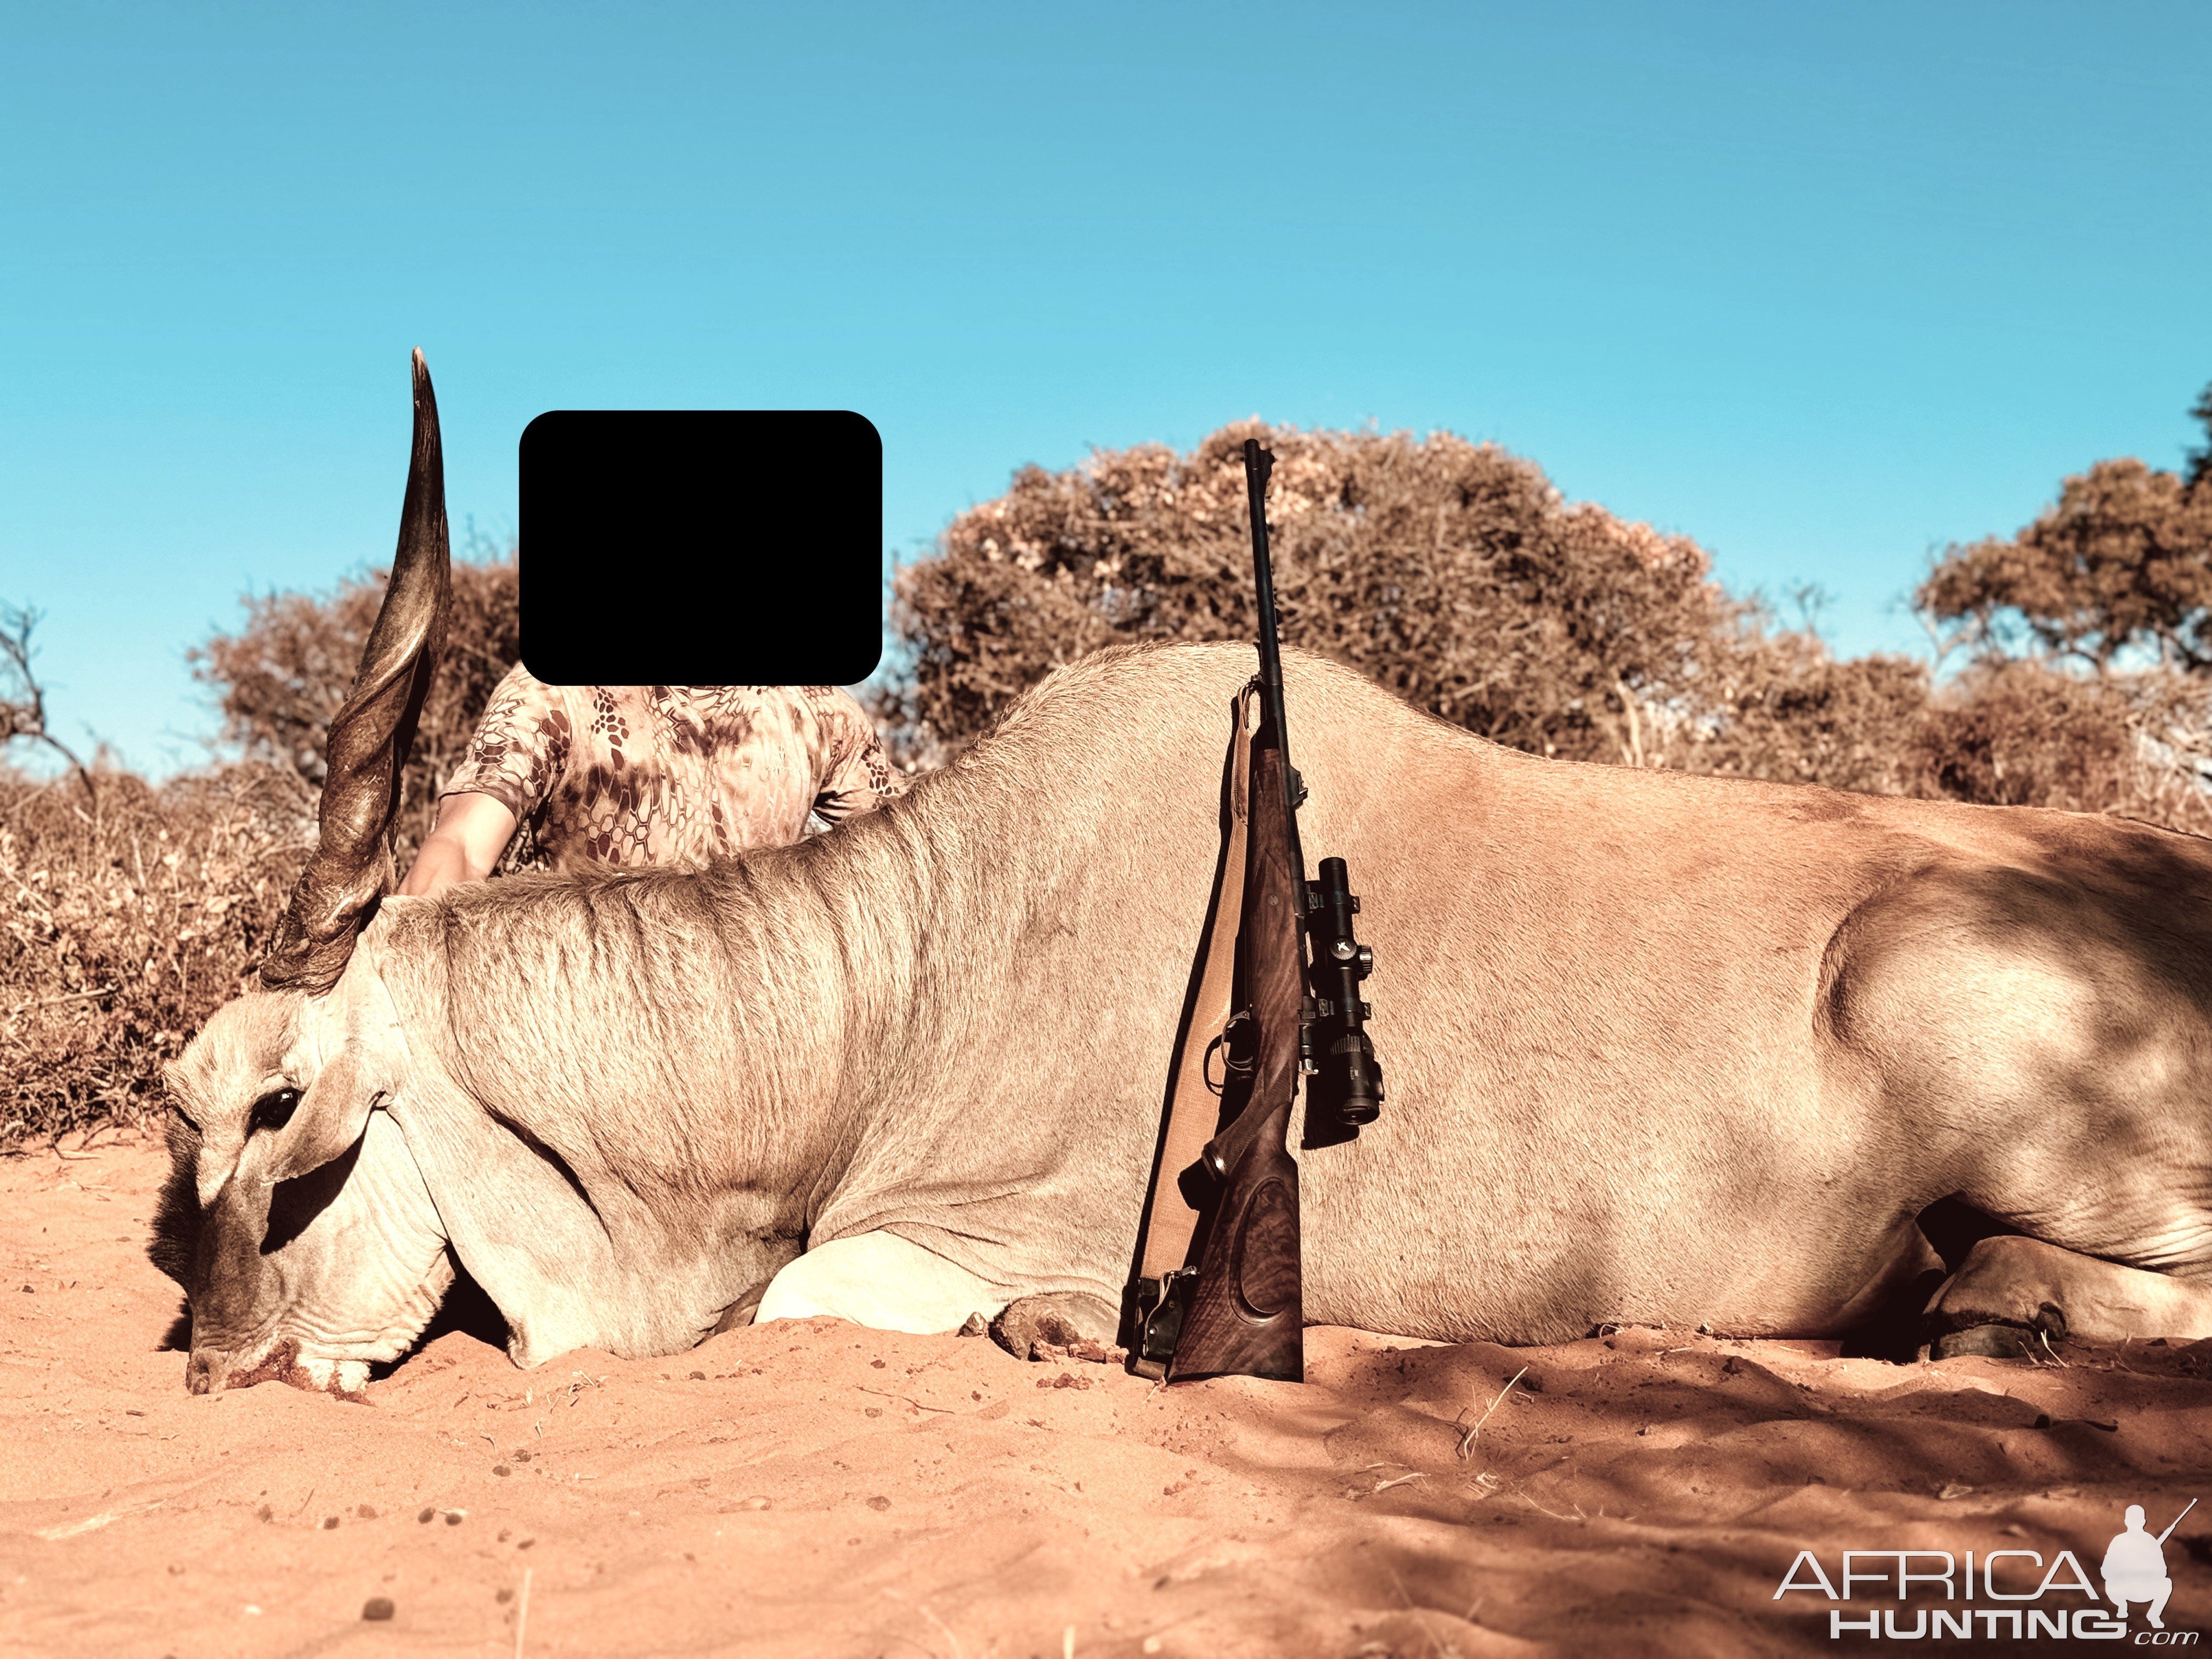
657,774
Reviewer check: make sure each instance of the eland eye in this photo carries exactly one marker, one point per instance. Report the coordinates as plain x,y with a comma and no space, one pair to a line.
273,1110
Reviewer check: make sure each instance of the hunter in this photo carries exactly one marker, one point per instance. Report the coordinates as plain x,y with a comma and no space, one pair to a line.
651,775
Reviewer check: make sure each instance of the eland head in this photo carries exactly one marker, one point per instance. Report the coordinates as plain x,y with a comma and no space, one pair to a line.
293,1216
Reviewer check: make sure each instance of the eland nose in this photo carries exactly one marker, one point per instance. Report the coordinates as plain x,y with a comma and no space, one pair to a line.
199,1373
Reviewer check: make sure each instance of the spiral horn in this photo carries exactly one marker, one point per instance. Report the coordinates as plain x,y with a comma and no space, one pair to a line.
372,732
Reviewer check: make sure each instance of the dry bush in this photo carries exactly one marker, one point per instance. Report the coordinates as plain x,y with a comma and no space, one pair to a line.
1449,571
2023,733
1780,708
2019,734
122,929
128,913
2171,782
282,675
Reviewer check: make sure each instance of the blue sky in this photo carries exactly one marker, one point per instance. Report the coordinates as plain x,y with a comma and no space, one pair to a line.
1825,286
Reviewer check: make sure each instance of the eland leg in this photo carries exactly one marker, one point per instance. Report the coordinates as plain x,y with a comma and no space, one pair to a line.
2040,1036
2009,1291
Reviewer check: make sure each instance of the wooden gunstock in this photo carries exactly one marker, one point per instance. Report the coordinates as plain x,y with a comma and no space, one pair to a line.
1246,1315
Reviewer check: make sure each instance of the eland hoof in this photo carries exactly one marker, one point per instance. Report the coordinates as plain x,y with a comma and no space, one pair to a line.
1987,1341
1067,1324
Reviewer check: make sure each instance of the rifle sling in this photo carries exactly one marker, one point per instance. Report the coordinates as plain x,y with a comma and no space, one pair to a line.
1193,1105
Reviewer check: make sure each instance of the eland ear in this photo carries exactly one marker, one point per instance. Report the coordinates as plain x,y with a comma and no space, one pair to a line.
331,1115
370,735
352,1039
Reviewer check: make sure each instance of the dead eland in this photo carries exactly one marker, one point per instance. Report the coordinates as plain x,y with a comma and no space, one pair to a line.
1661,1048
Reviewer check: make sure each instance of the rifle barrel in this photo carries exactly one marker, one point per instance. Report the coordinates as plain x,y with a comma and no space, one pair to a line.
1258,463
2177,1520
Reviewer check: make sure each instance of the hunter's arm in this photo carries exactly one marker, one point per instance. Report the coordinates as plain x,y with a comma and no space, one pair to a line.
517,755
472,831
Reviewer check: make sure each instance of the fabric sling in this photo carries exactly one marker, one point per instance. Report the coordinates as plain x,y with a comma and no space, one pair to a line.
1192,1102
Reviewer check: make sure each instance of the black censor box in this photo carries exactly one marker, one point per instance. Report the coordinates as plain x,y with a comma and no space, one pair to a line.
702,547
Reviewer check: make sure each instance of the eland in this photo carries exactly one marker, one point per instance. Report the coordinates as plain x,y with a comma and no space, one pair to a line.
1662,1048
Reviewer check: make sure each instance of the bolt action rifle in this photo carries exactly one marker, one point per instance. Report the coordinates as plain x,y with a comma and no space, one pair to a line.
1238,1310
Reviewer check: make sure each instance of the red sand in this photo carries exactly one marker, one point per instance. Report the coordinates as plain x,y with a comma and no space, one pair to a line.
818,1489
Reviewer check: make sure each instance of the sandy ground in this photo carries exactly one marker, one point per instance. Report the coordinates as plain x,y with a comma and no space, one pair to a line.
818,1489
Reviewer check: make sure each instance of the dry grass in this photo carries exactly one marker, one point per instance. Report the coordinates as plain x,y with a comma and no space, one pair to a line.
123,922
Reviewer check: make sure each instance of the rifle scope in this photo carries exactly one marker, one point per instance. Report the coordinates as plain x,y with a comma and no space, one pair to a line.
1346,1089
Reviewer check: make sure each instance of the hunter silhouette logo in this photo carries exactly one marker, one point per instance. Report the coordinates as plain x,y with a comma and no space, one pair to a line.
2134,1566
2022,1595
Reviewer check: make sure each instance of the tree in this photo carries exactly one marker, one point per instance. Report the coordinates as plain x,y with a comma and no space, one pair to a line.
1449,571
2124,559
2200,459
2052,711
282,675
23,713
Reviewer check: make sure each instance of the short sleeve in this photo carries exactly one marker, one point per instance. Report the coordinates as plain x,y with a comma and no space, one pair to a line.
856,775
520,747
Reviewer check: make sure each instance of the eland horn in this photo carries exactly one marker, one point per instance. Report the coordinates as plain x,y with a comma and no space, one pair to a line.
372,732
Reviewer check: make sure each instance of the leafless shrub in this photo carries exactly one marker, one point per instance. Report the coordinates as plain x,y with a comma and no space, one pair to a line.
120,932
23,699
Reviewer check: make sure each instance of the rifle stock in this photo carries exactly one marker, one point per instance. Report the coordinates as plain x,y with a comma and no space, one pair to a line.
1246,1315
